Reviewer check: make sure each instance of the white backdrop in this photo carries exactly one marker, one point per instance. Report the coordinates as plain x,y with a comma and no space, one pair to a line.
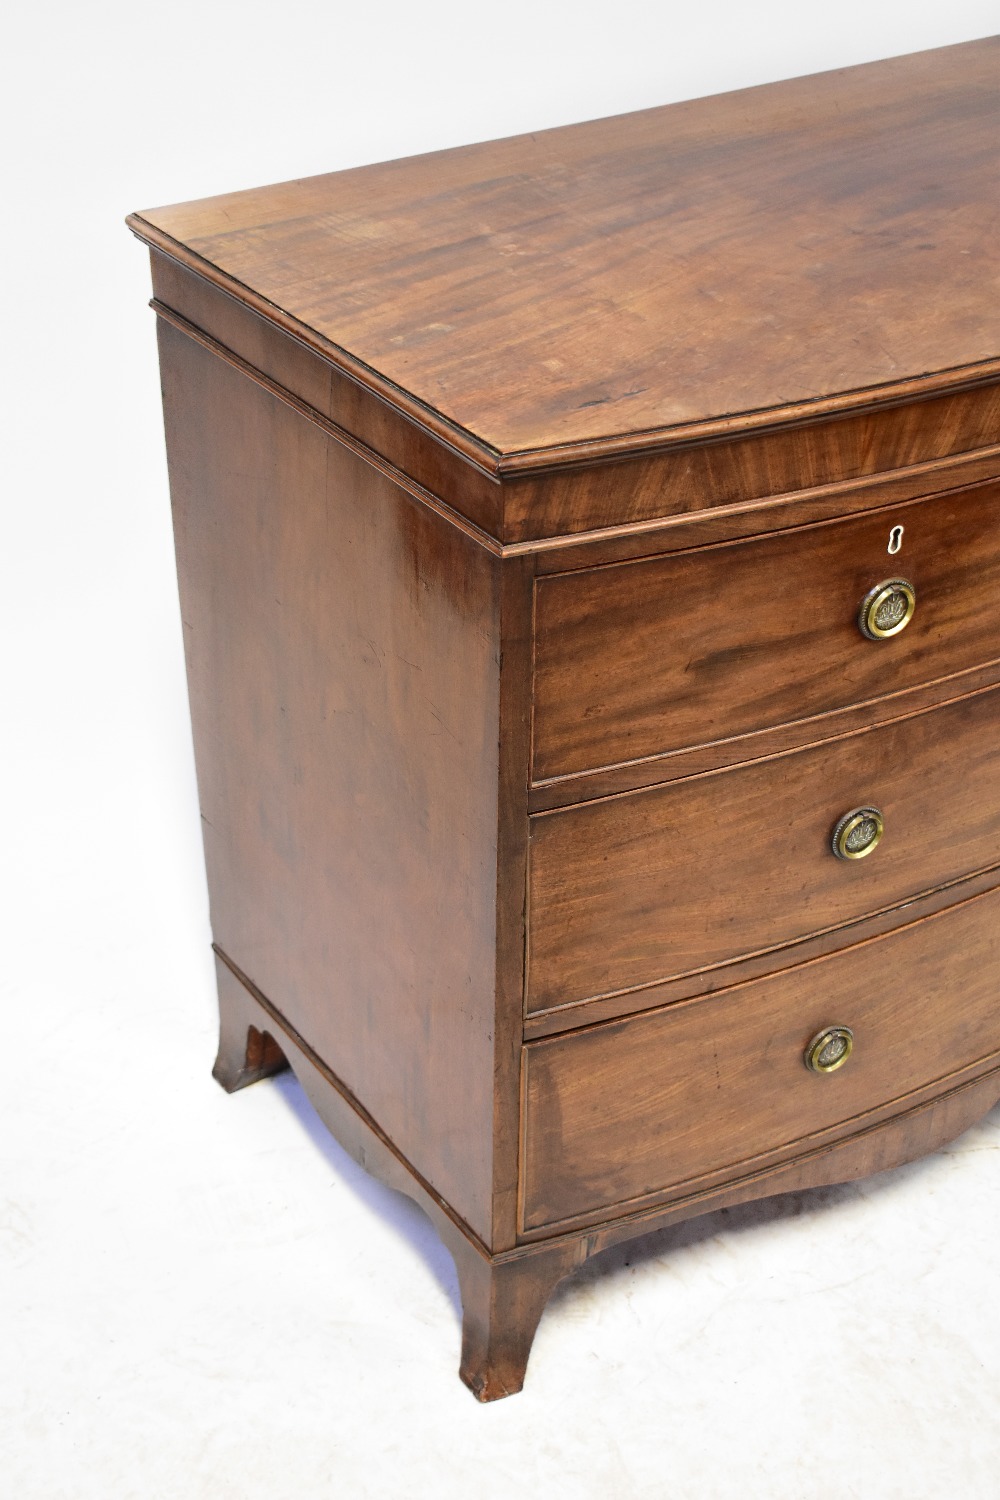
200,1296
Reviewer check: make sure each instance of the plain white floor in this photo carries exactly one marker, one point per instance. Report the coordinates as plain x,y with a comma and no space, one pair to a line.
200,1296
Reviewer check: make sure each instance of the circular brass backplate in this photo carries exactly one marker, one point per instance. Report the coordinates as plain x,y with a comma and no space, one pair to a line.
858,833
829,1049
887,609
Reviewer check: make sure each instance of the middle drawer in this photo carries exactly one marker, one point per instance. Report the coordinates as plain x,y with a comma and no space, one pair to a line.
647,886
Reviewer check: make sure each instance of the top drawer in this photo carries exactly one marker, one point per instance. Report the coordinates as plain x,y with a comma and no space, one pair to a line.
646,658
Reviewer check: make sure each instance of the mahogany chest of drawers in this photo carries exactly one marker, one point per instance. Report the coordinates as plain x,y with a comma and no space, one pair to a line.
589,552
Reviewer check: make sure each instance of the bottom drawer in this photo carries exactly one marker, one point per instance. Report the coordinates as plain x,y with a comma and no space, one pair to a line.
628,1110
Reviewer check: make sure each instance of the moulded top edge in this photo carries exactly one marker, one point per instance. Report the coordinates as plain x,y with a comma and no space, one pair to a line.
681,273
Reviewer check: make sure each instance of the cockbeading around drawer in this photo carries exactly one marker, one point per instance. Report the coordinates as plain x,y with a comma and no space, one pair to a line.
622,1113
629,891
647,658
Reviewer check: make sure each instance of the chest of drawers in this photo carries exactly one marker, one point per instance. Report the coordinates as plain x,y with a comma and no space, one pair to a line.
589,555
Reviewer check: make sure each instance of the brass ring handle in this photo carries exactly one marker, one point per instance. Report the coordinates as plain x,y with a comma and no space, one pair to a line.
829,1049
858,833
887,609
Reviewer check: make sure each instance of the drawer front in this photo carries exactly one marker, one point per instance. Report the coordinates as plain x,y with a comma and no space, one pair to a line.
637,889
646,658
633,1108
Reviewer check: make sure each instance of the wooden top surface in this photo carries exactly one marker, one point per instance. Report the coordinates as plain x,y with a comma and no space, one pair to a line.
628,282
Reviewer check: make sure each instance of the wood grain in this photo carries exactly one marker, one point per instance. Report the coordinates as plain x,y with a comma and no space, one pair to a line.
574,1015
632,890
620,416
622,1111
859,458
763,251
503,1295
696,478
716,755
343,657
516,590
633,540
331,392
649,658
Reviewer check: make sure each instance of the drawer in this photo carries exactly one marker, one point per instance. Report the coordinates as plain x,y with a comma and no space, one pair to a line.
631,1109
646,658
635,889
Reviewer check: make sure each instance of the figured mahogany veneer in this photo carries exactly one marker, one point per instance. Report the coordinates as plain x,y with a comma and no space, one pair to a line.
657,884
630,1110
524,498
726,641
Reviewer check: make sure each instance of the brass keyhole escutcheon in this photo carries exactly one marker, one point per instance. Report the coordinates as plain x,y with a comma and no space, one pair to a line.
858,833
829,1049
887,609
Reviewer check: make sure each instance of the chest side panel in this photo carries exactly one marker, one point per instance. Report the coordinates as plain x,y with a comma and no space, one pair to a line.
343,656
